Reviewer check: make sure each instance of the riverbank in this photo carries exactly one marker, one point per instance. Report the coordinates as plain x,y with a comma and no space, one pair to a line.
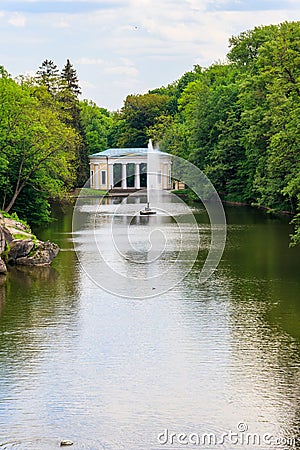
189,194
19,246
87,192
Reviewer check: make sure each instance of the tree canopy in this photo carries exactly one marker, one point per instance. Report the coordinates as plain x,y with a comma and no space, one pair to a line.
46,134
238,121
37,150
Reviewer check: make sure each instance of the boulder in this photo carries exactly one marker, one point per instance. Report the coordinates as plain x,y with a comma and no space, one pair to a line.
43,254
5,236
16,225
18,248
2,240
3,268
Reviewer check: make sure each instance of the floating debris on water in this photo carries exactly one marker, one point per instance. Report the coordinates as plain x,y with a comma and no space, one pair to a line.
65,443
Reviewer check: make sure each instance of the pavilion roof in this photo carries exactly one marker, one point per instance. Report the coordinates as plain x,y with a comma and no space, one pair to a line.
119,152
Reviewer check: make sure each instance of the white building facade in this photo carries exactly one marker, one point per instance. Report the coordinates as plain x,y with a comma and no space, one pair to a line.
126,169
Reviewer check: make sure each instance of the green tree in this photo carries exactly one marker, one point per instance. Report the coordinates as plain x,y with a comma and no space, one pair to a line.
70,105
246,46
48,75
270,102
37,150
69,77
117,130
140,113
96,124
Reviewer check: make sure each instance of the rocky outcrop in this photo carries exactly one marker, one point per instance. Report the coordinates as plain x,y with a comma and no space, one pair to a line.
42,254
3,268
3,241
5,237
18,246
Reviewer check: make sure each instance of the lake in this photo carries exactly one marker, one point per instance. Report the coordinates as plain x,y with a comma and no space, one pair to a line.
211,365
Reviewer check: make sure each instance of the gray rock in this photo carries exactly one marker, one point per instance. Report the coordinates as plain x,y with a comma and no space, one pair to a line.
2,240
15,225
5,236
18,248
25,252
3,268
43,254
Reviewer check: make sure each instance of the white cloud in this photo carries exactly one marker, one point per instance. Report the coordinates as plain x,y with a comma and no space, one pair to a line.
87,84
124,66
122,70
126,61
90,61
62,23
17,20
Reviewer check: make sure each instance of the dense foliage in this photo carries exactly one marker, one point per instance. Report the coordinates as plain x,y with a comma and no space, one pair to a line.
46,134
238,121
37,149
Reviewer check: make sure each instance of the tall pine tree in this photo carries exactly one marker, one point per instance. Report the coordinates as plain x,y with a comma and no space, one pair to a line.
69,77
69,93
48,75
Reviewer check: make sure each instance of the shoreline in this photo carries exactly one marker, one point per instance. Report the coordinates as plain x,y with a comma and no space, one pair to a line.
94,193
257,206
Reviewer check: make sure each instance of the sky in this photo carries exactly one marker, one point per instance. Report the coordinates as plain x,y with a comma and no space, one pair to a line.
122,47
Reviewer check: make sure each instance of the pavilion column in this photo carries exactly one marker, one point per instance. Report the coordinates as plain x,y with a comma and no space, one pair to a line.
165,177
96,177
124,176
110,176
137,182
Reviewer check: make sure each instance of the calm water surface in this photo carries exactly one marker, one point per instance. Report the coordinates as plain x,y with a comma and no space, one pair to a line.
112,373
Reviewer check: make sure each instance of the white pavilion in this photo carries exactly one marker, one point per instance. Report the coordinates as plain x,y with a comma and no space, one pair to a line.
126,169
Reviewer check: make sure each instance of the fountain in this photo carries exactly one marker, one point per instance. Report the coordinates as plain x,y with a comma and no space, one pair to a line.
147,211
152,179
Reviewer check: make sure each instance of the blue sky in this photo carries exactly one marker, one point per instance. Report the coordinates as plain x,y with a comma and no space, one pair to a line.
121,47
60,7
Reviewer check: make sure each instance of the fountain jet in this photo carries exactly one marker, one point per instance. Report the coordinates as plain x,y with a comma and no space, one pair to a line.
152,174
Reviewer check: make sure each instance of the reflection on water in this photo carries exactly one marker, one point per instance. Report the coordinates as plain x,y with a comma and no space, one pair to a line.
112,373
2,292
